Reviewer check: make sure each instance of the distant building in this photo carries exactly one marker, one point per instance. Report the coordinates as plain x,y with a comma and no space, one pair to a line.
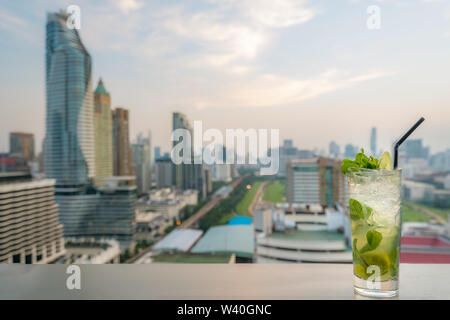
413,149
142,163
122,153
29,228
22,144
10,163
69,138
164,170
373,142
318,180
350,151
157,153
103,132
208,181
107,211
335,150
188,175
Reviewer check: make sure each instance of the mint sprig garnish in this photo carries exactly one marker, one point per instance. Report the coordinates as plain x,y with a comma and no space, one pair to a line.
359,210
361,161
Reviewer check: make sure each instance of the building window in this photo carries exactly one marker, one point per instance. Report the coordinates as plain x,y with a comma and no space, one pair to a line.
28,259
16,258
39,257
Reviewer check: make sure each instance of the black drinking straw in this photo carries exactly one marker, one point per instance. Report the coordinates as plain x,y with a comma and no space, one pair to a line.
402,139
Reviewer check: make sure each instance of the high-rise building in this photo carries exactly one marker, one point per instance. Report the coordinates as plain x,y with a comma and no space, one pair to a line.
164,171
182,172
414,149
85,211
103,133
69,139
334,151
373,142
315,181
107,211
29,228
188,175
157,153
22,144
142,165
350,151
122,153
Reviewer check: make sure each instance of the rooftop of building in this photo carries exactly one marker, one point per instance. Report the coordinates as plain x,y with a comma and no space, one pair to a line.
101,88
193,258
237,239
178,240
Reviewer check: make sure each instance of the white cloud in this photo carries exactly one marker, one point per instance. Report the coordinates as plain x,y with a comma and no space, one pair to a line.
273,90
126,6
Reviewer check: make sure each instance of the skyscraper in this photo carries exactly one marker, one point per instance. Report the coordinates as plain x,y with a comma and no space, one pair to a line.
373,142
22,144
122,153
142,164
188,175
334,149
157,153
69,138
85,211
103,133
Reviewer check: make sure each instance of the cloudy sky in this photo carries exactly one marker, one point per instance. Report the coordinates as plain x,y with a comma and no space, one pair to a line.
312,69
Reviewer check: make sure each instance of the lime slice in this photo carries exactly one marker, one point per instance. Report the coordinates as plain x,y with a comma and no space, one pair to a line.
385,161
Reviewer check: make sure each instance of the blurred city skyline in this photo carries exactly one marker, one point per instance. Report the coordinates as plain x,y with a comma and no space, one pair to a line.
310,68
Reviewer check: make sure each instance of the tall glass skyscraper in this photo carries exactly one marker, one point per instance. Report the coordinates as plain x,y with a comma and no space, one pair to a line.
69,140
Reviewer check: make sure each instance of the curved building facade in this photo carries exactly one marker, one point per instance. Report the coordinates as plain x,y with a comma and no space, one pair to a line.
69,140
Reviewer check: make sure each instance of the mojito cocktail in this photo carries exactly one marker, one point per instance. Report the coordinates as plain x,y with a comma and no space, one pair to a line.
375,223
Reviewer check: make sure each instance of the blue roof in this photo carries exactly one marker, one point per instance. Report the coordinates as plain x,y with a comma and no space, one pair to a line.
240,220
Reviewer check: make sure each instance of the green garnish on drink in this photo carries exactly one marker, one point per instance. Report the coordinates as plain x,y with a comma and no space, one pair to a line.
375,220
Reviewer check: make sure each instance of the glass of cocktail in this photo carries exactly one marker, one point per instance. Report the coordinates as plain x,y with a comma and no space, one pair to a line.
376,230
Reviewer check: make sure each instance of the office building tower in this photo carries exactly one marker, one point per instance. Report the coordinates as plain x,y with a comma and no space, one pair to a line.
164,171
142,165
103,133
107,211
122,154
334,151
157,153
22,144
29,228
188,175
315,181
69,148
414,149
350,151
373,142
69,139
182,172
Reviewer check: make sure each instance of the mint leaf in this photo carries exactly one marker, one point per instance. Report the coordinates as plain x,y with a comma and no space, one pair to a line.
356,210
359,210
373,240
361,161
346,164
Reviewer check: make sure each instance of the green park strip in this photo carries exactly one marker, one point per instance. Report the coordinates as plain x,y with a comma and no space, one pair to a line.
409,215
275,192
441,212
244,204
